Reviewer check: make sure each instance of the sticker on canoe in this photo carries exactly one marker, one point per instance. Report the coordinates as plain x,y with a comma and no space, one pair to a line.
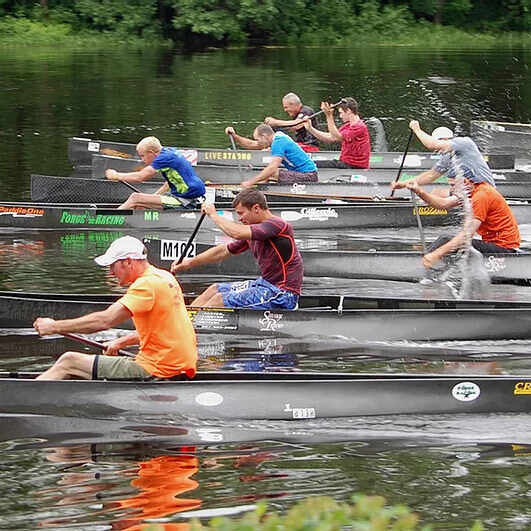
21,212
173,249
466,391
227,214
214,319
358,178
430,211
226,155
310,213
209,399
271,321
522,388
190,155
209,434
300,412
298,188
93,146
494,264
89,218
412,161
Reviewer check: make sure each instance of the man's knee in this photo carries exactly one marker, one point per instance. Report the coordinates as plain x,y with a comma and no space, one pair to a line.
69,359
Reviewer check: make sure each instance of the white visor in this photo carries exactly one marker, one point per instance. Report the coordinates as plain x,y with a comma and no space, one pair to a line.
125,247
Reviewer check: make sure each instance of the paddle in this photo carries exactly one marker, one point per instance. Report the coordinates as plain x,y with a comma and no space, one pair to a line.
191,239
333,106
234,148
419,222
397,178
129,185
96,344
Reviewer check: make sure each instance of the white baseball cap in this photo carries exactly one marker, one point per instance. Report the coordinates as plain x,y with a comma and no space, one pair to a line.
125,247
442,132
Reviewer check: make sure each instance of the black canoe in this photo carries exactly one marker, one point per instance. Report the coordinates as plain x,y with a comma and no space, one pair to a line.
502,137
268,396
233,174
52,189
384,265
80,151
303,216
356,318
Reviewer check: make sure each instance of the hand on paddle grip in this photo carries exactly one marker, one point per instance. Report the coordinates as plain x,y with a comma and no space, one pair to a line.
45,326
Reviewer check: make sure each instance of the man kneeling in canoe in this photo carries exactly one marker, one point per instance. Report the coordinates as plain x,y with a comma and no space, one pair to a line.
154,300
182,185
492,219
271,241
298,167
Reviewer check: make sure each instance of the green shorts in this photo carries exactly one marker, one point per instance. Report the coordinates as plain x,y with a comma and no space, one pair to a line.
117,368
171,202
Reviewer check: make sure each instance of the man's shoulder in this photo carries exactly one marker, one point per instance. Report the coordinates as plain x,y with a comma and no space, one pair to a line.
306,111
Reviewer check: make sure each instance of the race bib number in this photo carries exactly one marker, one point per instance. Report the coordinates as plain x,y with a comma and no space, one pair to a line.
172,249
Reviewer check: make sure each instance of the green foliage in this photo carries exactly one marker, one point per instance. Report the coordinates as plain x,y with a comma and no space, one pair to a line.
259,21
322,513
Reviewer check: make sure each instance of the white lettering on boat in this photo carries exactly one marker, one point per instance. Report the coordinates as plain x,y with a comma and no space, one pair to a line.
226,155
271,321
300,412
319,214
209,399
466,391
494,265
298,188
209,434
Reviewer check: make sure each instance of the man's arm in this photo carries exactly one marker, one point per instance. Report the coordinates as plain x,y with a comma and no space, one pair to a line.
434,200
245,142
210,256
135,176
427,140
268,172
426,177
430,259
93,322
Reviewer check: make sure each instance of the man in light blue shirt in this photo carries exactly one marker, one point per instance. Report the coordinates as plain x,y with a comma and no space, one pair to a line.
297,166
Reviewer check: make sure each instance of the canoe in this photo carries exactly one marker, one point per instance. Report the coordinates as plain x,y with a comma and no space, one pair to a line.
268,396
80,151
356,318
502,137
217,173
302,216
52,189
380,265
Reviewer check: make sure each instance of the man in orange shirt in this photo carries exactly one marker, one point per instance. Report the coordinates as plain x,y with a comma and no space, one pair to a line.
493,219
154,300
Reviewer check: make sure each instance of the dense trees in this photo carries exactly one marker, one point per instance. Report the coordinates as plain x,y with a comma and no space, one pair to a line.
267,21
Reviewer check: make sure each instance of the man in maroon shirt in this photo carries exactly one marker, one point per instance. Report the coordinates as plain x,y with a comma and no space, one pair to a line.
271,241
353,135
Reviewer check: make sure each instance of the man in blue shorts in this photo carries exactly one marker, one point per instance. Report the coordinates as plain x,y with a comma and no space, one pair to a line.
182,185
298,167
271,241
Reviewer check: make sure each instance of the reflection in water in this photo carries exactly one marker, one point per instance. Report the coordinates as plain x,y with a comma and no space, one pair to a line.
158,482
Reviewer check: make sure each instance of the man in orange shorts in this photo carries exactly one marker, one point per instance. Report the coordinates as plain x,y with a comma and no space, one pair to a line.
154,300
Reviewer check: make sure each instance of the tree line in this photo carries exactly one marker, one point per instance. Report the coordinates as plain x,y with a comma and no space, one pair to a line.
222,22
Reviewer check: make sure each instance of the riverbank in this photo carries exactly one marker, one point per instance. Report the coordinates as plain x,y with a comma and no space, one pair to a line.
24,32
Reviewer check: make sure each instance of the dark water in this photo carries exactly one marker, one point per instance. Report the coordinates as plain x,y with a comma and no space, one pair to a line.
108,474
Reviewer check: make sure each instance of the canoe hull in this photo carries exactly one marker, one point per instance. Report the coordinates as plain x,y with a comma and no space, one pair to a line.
262,396
357,319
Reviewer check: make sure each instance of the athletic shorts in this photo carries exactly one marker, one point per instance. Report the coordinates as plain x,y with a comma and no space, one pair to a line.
256,294
290,176
308,148
171,202
118,368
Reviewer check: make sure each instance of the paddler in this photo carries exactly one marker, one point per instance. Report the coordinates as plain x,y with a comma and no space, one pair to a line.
297,166
293,106
457,152
271,241
353,135
182,186
492,219
154,301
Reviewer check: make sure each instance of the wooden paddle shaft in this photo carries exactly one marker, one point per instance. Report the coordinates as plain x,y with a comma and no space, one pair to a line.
96,344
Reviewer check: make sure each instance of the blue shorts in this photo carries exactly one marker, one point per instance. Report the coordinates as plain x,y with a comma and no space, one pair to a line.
257,294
